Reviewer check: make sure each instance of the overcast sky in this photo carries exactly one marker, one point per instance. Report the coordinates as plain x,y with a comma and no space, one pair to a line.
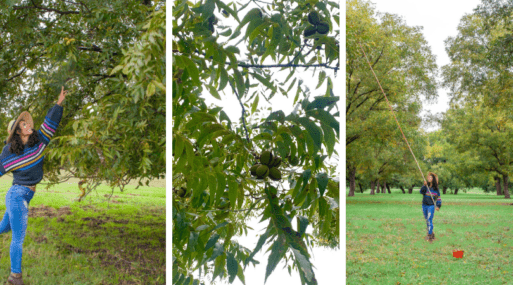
440,20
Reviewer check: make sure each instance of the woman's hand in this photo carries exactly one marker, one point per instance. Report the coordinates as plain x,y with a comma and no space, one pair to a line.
62,96
425,183
438,209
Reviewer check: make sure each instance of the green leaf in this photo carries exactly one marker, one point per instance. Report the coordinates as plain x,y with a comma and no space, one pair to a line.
116,69
212,241
329,138
240,274
263,136
232,266
192,69
221,4
220,225
232,49
212,185
302,225
218,250
321,102
322,77
254,106
250,16
213,92
208,9
303,264
322,182
219,265
193,240
190,153
267,83
150,90
278,250
306,176
314,131
259,245
239,82
179,145
232,186
159,85
221,185
276,116
224,79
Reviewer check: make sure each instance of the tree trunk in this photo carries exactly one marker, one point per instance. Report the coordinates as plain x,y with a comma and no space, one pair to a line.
352,182
410,190
498,185
505,186
456,191
402,189
361,188
388,188
373,185
379,186
444,189
384,188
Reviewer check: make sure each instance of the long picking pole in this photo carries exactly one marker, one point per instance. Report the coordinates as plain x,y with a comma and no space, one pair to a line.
393,113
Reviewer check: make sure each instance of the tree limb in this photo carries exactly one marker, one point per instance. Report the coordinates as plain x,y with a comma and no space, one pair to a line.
45,9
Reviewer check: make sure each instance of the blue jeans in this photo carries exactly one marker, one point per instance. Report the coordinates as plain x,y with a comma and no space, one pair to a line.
16,218
429,212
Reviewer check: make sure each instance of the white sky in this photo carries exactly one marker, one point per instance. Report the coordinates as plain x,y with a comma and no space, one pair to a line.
440,19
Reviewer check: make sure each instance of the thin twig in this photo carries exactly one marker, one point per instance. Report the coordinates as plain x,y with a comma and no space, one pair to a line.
17,75
243,111
234,211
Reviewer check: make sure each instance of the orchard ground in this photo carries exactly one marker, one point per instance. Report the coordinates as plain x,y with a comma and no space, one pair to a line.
385,239
122,241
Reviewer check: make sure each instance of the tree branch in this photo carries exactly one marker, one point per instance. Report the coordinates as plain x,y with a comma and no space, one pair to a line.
45,9
286,65
17,75
243,112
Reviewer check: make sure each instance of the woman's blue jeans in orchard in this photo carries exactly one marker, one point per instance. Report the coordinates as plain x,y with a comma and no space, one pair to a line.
16,218
429,212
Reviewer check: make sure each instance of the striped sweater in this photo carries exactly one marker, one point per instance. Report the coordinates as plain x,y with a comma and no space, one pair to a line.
27,168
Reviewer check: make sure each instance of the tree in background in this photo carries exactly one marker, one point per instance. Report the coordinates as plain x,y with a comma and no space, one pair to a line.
111,57
479,79
220,49
406,69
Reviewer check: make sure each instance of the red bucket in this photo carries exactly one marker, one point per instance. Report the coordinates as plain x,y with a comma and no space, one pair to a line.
457,253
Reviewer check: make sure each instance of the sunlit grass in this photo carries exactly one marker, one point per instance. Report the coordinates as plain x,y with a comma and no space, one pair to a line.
120,240
385,240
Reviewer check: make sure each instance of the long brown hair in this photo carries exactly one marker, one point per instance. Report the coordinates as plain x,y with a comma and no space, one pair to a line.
434,184
17,145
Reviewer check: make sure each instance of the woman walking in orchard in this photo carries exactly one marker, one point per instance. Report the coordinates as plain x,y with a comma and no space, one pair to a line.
23,156
431,196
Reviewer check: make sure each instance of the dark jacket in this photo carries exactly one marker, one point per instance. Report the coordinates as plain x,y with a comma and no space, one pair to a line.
428,193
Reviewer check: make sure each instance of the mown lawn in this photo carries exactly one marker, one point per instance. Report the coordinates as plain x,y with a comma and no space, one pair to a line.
119,241
385,239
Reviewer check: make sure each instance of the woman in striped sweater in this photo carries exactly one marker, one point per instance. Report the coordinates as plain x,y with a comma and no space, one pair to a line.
23,156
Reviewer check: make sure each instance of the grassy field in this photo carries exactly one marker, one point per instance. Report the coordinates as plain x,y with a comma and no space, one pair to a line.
119,241
385,239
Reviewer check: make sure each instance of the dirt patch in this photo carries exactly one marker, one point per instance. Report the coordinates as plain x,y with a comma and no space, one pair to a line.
49,212
137,257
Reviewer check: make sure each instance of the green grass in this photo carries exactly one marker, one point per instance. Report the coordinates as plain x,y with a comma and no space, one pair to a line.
96,241
385,239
